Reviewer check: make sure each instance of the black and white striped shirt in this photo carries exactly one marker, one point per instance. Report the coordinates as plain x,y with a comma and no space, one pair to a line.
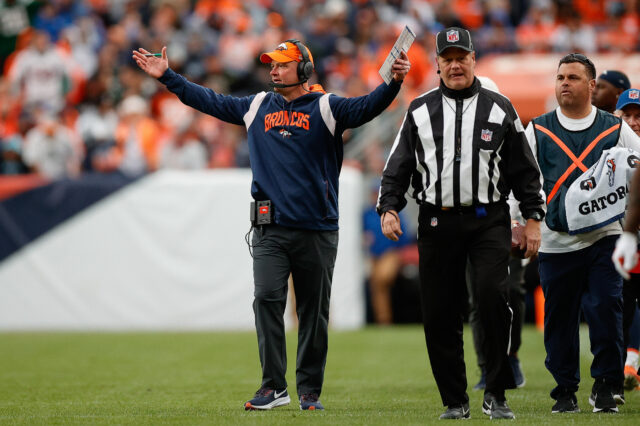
461,148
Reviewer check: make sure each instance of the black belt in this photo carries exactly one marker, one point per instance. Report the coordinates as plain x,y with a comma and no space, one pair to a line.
477,209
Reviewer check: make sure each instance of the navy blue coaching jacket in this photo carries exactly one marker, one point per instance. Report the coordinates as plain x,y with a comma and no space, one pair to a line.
295,148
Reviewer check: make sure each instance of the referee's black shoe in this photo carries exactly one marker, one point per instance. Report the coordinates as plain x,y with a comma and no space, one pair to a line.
456,412
496,409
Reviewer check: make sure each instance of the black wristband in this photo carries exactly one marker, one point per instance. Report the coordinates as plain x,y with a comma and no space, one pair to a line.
535,215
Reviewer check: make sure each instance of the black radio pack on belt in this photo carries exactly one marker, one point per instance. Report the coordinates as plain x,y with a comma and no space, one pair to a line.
261,213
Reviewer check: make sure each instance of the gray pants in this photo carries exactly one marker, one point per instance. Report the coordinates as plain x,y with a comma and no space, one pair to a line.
309,256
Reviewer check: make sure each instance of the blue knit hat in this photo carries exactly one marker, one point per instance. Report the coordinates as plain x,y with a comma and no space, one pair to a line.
617,78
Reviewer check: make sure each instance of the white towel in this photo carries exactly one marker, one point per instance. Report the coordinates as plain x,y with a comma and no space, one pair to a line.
599,196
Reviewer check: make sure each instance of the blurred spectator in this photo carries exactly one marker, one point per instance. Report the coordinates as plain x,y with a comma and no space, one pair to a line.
365,21
15,16
9,110
385,257
41,74
323,35
591,11
534,33
238,47
50,150
187,152
629,22
615,35
11,156
173,116
423,12
96,125
137,138
223,148
55,16
574,35
469,13
85,37
339,67
447,17
497,35
199,45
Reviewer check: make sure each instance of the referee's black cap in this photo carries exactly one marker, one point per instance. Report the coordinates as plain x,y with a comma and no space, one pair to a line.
453,37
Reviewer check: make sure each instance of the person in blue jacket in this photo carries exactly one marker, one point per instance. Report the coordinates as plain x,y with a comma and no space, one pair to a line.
295,150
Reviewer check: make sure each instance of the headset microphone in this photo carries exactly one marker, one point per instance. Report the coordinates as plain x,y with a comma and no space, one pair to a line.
282,86
438,72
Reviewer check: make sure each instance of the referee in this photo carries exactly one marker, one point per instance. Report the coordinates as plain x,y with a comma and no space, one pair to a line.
462,148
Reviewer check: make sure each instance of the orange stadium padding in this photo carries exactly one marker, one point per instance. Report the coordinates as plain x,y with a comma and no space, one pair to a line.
11,185
528,80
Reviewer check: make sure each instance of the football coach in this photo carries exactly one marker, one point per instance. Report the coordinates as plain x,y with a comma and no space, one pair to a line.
295,146
462,149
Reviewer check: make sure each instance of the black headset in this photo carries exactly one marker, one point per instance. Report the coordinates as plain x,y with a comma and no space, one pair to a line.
305,68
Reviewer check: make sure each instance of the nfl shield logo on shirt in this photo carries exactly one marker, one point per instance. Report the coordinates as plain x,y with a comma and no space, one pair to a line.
634,94
486,135
434,221
453,36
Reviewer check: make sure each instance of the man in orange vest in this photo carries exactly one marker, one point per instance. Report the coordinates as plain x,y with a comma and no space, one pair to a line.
575,269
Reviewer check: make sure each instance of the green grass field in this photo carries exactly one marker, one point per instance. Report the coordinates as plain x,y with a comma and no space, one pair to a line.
374,376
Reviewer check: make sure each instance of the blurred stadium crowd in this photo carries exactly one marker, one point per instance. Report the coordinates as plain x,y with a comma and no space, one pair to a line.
72,100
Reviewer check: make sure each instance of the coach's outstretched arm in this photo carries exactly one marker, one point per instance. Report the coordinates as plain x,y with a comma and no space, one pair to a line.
152,65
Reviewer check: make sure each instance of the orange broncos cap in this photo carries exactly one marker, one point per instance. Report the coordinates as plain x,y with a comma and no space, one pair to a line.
285,52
